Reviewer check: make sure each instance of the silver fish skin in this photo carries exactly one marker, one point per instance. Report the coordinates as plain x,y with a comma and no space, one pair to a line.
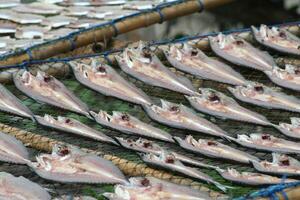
250,178
278,39
261,95
236,50
217,104
215,149
130,125
145,66
105,80
12,150
73,126
20,188
147,146
47,89
195,62
71,197
150,188
182,117
11,104
291,130
288,77
281,165
168,161
267,142
68,164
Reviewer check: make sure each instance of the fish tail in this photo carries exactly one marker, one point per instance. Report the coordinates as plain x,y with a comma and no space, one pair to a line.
222,187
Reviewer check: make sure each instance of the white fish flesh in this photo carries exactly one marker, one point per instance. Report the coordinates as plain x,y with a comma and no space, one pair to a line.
150,188
128,124
215,149
168,161
20,188
195,62
47,89
104,79
180,116
281,165
217,104
73,126
288,77
12,150
70,165
236,50
268,142
261,95
250,178
278,39
142,64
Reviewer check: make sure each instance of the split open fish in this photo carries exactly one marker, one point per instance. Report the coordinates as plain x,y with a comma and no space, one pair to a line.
218,104
168,161
291,130
250,178
277,38
150,188
70,165
214,149
261,95
12,150
142,64
281,165
147,146
288,77
195,62
20,188
267,142
180,116
104,79
11,104
236,50
73,126
128,124
47,89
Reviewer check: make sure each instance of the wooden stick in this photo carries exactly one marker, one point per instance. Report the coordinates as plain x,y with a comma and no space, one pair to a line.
123,26
292,193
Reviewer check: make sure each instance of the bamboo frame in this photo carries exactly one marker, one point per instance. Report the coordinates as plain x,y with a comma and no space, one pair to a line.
107,32
129,168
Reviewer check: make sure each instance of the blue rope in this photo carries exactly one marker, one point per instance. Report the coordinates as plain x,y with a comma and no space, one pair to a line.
201,5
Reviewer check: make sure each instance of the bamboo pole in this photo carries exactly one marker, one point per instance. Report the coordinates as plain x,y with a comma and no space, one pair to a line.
292,193
107,32
129,168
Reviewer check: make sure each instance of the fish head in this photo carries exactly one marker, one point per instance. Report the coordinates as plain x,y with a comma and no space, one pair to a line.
102,116
243,138
170,107
212,96
65,120
140,181
49,118
233,172
99,68
147,144
281,159
43,77
122,118
25,77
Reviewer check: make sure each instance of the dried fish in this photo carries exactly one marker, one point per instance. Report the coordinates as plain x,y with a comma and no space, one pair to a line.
9,4
56,33
288,77
147,146
180,116
249,178
215,149
73,126
71,197
130,125
139,5
261,95
145,66
31,32
47,89
195,62
58,21
168,161
69,164
216,103
104,79
21,17
20,188
38,8
268,142
277,38
150,188
85,23
291,130
7,27
281,164
12,150
78,10
238,51
11,104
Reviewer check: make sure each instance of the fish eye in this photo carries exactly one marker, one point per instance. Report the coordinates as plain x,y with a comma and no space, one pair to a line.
125,117
174,109
170,160
101,69
47,79
145,182
214,98
258,88
239,42
282,34
265,137
68,121
147,144
211,143
194,52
